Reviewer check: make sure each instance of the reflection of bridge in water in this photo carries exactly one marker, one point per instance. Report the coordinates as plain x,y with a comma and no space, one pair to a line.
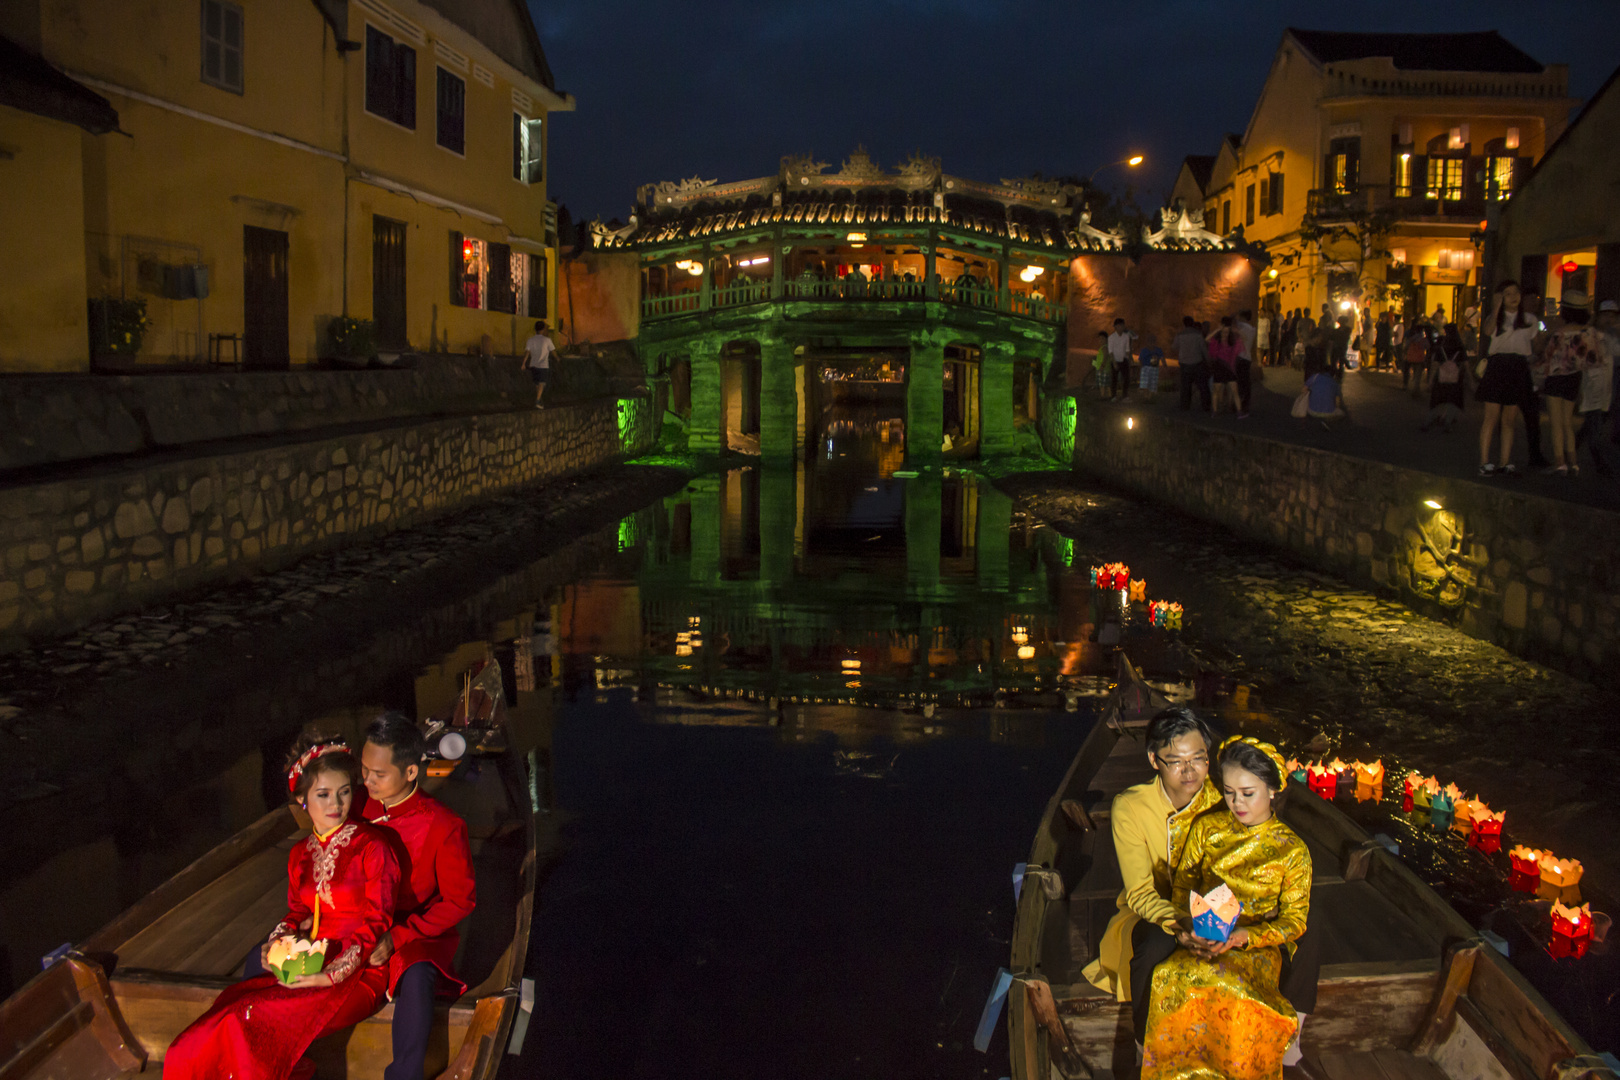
840,583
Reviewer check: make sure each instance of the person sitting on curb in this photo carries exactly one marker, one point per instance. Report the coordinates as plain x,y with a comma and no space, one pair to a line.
1324,398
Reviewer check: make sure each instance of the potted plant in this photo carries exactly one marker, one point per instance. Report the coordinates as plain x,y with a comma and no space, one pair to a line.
354,341
117,327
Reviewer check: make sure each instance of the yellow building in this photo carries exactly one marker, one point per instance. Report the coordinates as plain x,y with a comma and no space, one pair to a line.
289,162
1370,159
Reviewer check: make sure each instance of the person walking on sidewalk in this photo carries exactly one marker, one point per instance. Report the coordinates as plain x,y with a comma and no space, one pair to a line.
1383,342
1192,359
1119,353
537,354
1505,386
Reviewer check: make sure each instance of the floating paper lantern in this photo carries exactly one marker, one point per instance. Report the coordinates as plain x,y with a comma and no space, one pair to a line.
1486,842
1372,775
1463,814
1322,780
1096,574
1174,615
1440,810
1571,930
1122,576
1561,873
1487,823
1139,589
1525,860
1296,771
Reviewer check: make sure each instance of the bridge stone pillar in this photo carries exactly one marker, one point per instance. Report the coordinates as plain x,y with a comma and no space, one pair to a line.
706,433
924,502
778,404
925,399
996,398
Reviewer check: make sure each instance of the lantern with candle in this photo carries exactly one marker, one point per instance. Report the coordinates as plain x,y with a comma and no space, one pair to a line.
1440,809
1322,780
1158,611
1487,824
1296,771
1138,589
1560,873
1175,616
1571,930
1525,860
1122,576
1464,812
1370,774
1096,575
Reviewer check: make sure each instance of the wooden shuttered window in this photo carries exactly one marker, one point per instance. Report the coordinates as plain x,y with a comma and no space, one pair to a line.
502,297
390,79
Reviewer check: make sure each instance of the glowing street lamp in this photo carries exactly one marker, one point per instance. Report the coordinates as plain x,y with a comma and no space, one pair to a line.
1130,162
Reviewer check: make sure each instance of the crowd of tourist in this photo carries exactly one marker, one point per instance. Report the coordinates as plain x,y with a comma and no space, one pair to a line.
1520,364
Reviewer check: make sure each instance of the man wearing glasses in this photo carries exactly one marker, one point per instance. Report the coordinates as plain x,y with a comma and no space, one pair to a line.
1150,829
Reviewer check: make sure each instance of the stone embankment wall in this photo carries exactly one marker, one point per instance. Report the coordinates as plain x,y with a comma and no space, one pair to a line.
1536,576
90,546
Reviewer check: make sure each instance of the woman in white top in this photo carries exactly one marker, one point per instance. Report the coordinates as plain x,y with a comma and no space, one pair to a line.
1505,386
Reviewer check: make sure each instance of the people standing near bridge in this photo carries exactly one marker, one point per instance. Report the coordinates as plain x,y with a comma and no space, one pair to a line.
1290,337
1383,341
1244,370
436,890
1119,354
1572,349
537,354
1265,341
1446,381
1192,360
1225,345
1505,386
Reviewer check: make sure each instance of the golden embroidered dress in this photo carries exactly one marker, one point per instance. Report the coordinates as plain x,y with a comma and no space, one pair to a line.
1149,834
1226,1019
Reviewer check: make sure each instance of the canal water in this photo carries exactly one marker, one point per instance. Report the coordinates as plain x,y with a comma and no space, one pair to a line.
795,729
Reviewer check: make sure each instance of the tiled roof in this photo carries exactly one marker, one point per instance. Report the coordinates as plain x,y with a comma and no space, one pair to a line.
1482,51
28,83
851,210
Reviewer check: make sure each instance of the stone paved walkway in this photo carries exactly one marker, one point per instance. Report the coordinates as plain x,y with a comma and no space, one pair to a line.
1384,427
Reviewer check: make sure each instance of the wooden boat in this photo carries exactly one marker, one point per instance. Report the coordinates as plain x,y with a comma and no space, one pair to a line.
1408,991
113,1006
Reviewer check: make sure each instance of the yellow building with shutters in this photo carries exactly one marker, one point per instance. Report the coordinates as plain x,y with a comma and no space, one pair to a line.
1403,140
281,163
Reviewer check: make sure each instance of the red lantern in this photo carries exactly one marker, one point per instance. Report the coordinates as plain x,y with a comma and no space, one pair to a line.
1519,881
1571,930
1568,267
1526,861
1322,780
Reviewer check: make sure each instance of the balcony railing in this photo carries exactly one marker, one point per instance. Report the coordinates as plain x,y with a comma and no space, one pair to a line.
1327,205
846,290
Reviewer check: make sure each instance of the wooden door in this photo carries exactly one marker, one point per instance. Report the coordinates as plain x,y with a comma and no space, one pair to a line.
388,281
264,298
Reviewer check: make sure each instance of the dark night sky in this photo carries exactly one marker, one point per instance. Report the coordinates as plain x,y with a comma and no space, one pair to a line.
724,88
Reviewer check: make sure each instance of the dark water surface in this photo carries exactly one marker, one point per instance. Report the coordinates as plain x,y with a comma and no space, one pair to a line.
797,728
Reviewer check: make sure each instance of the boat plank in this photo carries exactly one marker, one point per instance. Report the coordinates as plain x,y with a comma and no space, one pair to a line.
1401,1065
1351,1065
166,943
1508,1004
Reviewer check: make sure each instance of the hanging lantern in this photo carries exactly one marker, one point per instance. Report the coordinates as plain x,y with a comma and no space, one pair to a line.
1571,931
1560,873
1139,590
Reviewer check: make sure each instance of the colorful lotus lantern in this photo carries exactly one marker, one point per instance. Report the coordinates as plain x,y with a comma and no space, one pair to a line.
1096,576
1158,613
1322,780
1174,616
1138,589
1560,873
1215,915
1122,576
1441,808
1571,931
1370,774
1296,771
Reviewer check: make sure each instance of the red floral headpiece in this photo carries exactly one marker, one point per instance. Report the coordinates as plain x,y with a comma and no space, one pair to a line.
308,756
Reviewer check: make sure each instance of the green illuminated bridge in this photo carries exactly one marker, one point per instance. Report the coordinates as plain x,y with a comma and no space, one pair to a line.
769,301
